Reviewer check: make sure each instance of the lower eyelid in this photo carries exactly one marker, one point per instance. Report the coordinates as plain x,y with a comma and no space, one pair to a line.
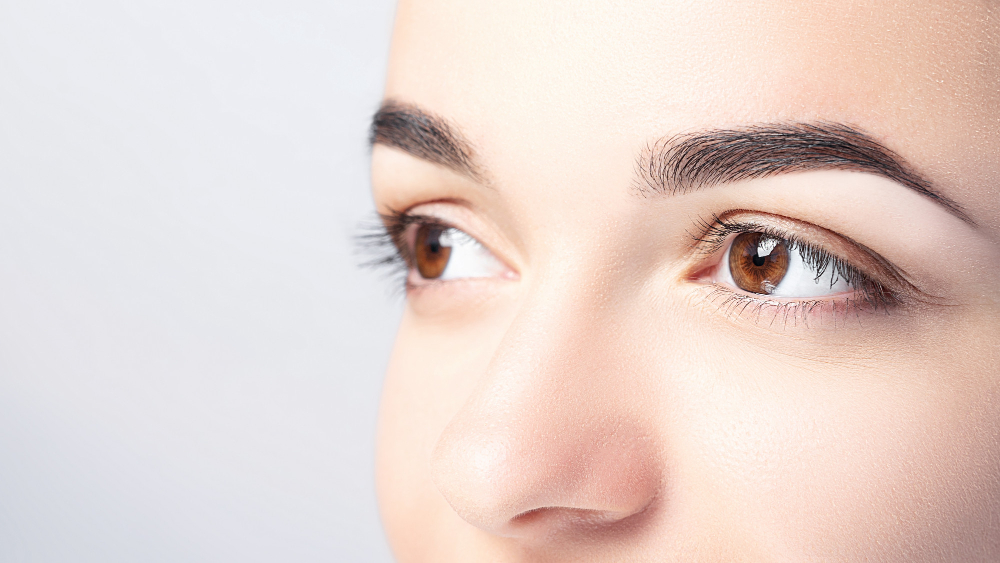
784,313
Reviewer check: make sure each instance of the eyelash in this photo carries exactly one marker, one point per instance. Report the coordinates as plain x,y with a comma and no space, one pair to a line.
869,294
383,241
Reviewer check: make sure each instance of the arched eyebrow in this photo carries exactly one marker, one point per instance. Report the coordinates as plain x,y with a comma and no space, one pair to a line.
692,161
680,164
423,135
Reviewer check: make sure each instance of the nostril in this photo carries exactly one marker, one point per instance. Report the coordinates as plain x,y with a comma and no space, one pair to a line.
552,520
562,523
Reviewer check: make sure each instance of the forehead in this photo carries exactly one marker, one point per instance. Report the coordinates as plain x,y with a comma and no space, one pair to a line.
558,78
700,52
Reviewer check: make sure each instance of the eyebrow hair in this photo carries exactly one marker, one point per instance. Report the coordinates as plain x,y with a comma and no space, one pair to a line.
688,162
423,135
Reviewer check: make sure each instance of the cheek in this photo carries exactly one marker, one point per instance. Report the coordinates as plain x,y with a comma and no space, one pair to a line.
880,454
891,463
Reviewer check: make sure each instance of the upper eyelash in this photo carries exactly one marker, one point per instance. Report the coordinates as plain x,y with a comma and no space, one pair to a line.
382,239
868,292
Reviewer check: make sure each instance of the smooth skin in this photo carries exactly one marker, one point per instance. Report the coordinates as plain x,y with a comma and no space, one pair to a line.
599,403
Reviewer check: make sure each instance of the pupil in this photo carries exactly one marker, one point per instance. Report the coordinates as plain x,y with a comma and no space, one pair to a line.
759,260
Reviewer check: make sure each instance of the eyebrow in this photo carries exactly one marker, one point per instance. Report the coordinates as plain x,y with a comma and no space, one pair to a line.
689,162
423,135
679,164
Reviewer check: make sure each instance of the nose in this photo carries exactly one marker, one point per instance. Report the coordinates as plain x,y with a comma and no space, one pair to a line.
553,440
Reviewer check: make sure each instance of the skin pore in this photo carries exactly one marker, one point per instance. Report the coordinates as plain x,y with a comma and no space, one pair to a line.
591,382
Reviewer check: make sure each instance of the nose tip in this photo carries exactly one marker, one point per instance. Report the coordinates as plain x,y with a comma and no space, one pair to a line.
527,483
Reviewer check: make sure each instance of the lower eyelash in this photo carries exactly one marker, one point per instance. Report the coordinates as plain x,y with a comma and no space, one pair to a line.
805,312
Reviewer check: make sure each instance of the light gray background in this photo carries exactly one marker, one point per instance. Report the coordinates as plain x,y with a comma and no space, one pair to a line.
190,360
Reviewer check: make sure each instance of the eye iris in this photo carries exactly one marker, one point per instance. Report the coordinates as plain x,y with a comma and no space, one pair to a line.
758,262
431,254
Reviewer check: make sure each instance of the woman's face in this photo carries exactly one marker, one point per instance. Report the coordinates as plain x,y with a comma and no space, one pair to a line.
693,281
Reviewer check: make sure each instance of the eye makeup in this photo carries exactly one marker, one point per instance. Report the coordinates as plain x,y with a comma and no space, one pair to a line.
767,267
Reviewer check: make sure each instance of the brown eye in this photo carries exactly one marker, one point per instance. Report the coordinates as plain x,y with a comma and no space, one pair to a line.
432,251
758,262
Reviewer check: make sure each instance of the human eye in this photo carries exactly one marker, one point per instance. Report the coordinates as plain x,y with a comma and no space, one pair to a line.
440,252
764,263
427,249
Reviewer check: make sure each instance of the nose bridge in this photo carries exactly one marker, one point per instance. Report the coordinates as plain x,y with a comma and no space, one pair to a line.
551,435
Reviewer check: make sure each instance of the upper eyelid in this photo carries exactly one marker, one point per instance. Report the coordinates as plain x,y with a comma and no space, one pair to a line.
469,221
405,222
865,260
716,231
